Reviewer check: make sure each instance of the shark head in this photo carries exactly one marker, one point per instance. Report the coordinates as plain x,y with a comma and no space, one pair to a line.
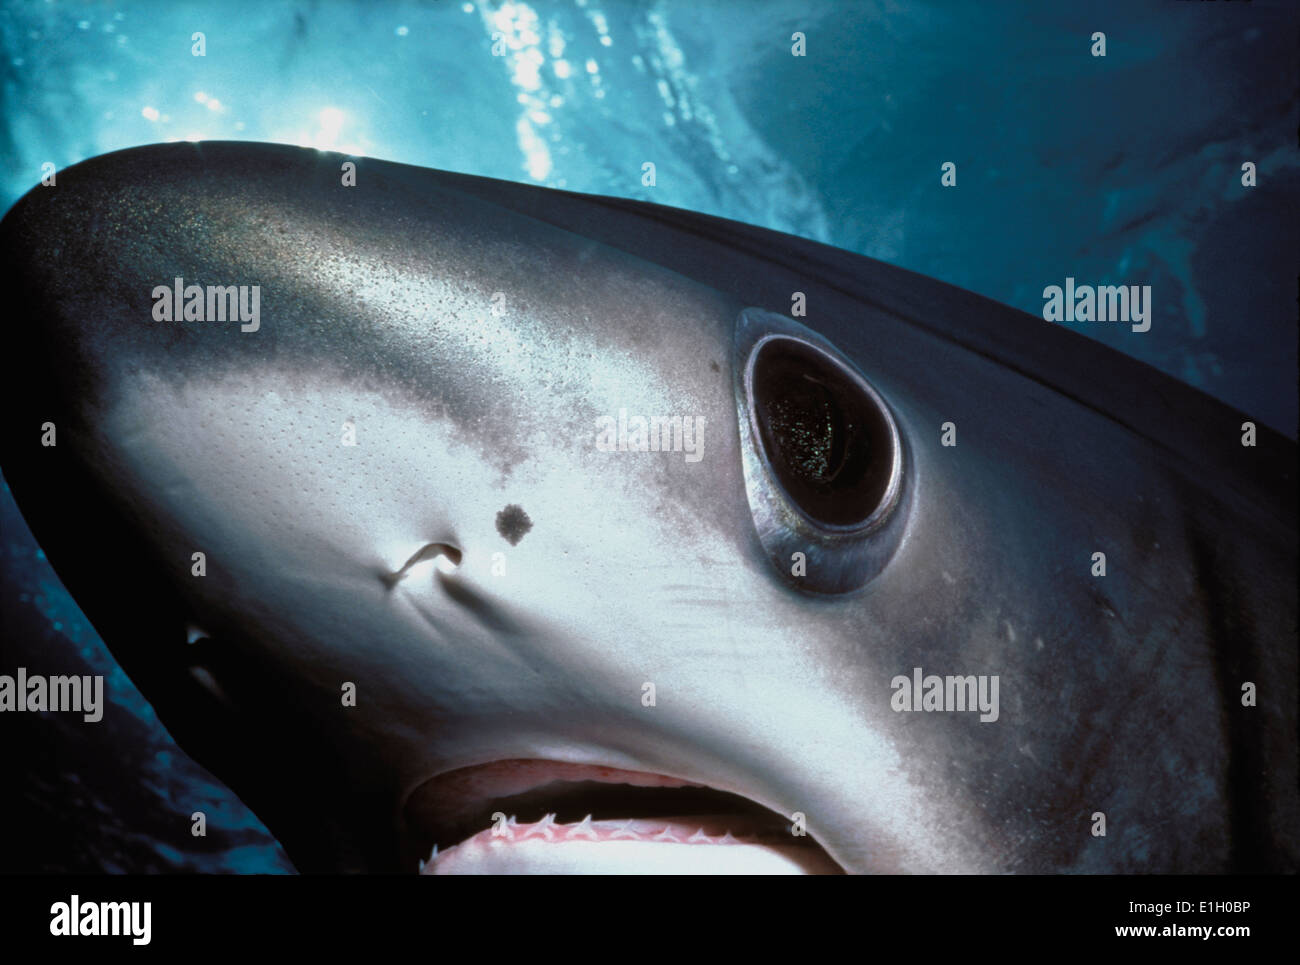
469,527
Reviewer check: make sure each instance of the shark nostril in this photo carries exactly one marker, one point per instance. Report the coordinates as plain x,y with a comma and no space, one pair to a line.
449,561
446,558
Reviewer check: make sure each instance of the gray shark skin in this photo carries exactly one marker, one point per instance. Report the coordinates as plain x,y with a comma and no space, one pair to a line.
473,333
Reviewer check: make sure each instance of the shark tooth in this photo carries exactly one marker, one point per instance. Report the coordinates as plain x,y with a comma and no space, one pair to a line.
583,829
626,832
699,837
666,835
544,827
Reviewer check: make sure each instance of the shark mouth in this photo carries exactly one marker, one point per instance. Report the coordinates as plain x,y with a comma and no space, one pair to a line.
552,817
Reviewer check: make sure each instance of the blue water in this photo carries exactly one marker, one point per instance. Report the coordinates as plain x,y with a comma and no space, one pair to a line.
1117,170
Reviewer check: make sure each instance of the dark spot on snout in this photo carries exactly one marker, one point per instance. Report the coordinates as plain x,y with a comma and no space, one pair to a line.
714,367
513,523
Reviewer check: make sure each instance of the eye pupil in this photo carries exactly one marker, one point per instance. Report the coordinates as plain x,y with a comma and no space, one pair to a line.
826,439
805,424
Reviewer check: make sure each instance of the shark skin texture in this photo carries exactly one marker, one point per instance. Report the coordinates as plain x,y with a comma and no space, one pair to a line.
537,535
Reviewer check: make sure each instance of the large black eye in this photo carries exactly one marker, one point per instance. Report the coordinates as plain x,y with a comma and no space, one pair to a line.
823,457
827,440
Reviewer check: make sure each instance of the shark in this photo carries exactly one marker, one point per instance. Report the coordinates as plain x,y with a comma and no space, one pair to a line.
463,526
